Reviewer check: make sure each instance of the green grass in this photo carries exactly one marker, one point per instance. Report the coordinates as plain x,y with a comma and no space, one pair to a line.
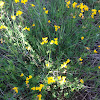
15,58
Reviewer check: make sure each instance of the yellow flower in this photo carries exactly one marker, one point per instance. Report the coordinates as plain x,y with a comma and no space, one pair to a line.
94,11
99,11
26,28
68,60
39,96
3,27
80,59
27,78
81,7
51,80
21,75
55,39
1,4
44,8
56,42
74,4
78,6
46,11
19,13
49,21
81,81
99,26
16,89
82,38
39,88
59,77
42,43
30,76
74,16
68,2
80,15
27,82
95,51
62,81
33,25
99,67
28,48
24,1
56,27
92,16
52,41
16,1
44,40
47,65
86,8
99,46
13,17
32,5
33,88
41,85
64,65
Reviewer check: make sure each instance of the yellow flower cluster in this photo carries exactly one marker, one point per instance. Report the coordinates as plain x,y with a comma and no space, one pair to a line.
99,67
93,13
3,27
67,4
56,27
46,11
18,13
51,80
26,28
27,79
82,8
44,40
16,1
22,1
38,88
39,96
16,89
61,79
55,41
64,65
1,4
74,4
